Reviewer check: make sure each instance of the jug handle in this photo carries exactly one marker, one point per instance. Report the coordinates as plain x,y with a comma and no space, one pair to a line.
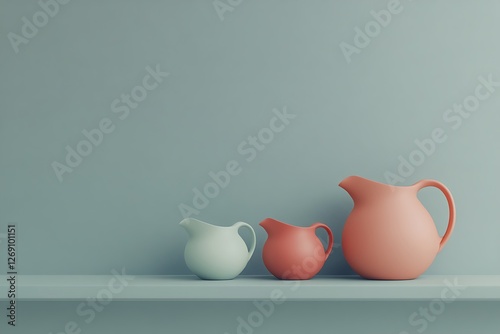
330,237
451,204
238,225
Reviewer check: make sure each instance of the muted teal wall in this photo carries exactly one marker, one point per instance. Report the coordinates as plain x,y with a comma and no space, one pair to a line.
120,206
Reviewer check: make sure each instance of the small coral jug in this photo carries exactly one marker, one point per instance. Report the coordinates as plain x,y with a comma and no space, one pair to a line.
389,234
292,252
216,252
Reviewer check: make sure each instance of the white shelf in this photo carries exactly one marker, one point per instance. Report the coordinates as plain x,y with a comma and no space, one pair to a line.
190,288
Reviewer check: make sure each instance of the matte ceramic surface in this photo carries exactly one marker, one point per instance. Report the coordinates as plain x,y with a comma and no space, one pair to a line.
292,252
389,234
216,252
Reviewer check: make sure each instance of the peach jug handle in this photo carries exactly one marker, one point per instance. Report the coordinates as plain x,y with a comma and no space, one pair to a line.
238,225
451,204
330,237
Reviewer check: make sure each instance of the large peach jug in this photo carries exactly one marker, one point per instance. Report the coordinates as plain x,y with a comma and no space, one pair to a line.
389,233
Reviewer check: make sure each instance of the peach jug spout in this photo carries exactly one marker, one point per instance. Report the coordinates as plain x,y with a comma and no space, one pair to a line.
360,188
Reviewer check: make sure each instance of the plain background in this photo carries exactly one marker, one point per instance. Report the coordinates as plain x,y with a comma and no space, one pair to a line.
119,207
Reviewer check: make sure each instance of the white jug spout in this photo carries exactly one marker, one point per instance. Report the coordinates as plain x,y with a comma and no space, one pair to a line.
194,226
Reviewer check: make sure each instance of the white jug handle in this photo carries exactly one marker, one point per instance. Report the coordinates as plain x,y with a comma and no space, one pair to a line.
254,239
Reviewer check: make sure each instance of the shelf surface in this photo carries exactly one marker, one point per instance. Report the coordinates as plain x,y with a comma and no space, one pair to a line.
190,288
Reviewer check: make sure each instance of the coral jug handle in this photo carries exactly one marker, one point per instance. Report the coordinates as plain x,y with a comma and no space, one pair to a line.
330,237
451,204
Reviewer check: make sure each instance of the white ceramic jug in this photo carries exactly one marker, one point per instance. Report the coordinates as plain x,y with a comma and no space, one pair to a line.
216,252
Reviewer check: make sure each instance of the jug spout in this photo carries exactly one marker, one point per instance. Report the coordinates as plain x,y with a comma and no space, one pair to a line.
272,225
359,187
194,226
